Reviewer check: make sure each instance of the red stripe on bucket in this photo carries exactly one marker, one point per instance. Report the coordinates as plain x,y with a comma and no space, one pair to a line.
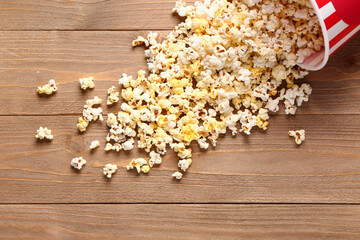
332,20
322,3
341,35
332,51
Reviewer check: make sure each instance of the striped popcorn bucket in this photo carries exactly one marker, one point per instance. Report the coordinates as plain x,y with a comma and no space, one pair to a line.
340,21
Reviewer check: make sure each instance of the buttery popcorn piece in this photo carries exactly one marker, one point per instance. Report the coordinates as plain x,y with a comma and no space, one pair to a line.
44,133
48,88
78,162
86,83
109,170
299,135
113,96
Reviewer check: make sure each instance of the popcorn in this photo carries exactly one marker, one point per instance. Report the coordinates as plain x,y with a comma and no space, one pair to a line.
299,135
92,102
48,88
82,124
177,175
78,163
128,145
94,144
108,147
44,133
111,120
145,169
140,40
90,113
224,68
184,164
137,164
86,83
155,158
113,96
109,170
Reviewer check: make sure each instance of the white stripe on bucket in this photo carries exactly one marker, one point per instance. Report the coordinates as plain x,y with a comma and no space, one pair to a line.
342,41
318,59
327,10
336,29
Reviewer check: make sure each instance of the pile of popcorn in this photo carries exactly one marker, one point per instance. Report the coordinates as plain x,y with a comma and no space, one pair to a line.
224,68
228,65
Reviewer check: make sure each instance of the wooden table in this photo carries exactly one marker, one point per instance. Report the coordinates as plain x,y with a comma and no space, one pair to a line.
259,186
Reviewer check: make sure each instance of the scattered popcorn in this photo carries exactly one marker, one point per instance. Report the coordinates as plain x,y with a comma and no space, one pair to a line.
299,136
109,170
94,144
113,96
48,88
78,163
86,83
224,68
44,133
177,175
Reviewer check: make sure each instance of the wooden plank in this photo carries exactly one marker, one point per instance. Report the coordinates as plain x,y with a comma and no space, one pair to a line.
179,221
260,168
30,59
87,15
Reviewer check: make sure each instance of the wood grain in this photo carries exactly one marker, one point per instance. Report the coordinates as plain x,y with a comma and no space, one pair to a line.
87,14
260,168
29,59
179,221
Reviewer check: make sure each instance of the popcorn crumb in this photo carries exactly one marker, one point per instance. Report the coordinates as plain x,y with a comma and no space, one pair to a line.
109,170
86,83
94,144
44,133
177,175
78,162
48,88
299,136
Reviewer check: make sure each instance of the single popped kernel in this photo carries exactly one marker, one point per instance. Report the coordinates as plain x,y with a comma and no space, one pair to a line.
145,168
44,133
48,88
299,135
113,96
78,162
109,170
177,175
137,164
94,144
82,124
140,40
86,83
